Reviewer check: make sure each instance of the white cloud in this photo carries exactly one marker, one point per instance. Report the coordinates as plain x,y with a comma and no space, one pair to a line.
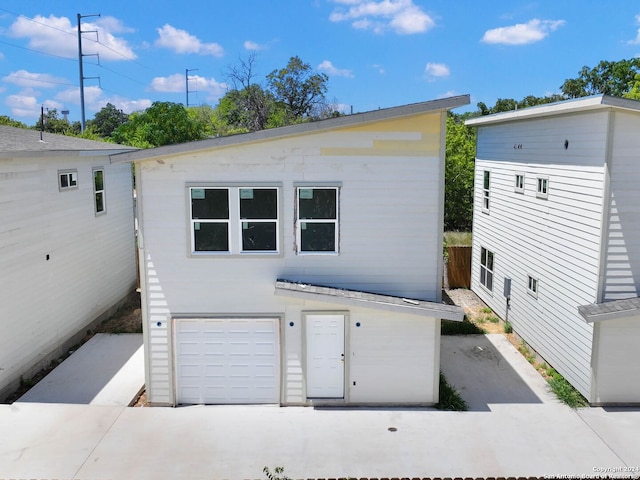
25,79
437,70
330,69
127,105
57,36
402,16
181,41
176,84
253,46
522,33
379,68
636,40
26,105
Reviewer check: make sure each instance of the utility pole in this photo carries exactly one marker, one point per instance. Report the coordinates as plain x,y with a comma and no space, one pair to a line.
80,55
186,79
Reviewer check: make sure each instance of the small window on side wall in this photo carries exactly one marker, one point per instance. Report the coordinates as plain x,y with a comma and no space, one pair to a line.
532,287
100,202
67,179
486,187
486,268
542,190
317,222
518,186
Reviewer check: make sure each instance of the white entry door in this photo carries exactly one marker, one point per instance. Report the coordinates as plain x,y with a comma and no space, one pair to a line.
325,355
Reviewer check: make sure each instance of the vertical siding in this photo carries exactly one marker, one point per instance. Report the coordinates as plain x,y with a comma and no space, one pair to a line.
91,263
390,234
556,240
622,242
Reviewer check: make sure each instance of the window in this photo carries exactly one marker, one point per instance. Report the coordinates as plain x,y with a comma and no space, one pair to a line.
234,219
486,183
67,179
532,288
543,187
518,187
486,268
259,216
98,191
209,219
317,222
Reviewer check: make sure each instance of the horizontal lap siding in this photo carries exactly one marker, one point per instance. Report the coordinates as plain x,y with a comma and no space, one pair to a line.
622,270
555,240
91,262
390,237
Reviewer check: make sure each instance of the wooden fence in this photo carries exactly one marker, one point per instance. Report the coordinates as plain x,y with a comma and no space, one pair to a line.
458,265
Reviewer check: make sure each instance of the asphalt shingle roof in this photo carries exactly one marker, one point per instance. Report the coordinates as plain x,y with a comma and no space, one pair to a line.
629,307
14,139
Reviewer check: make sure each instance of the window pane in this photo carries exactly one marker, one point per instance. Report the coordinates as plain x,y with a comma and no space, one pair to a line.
99,202
317,203
318,237
209,203
486,180
258,236
490,260
211,237
259,203
64,180
72,180
489,283
98,180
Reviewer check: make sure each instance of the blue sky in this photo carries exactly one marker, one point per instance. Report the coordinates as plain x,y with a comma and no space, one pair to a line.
377,53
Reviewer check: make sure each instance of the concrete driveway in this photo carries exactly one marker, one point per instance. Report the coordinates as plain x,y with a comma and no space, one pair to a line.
514,429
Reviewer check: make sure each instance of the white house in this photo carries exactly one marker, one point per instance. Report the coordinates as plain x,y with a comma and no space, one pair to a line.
67,245
556,236
296,266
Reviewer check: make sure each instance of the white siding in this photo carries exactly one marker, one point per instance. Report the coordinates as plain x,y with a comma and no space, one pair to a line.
556,240
390,234
622,241
91,259
616,369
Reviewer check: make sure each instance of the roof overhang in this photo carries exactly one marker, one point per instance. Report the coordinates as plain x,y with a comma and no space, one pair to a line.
355,298
293,130
597,312
596,102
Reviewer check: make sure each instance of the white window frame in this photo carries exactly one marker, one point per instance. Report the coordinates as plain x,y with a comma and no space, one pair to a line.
301,222
532,286
542,187
486,190
70,178
242,222
235,224
486,273
99,193
518,184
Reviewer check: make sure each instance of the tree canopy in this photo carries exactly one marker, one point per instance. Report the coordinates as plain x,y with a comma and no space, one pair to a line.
610,78
107,120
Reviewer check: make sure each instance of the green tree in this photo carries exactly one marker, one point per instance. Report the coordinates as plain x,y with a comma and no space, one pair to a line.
297,88
54,124
163,123
609,78
634,93
509,104
459,167
10,122
107,120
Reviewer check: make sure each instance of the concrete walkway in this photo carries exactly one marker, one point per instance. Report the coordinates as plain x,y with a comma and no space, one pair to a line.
106,370
514,429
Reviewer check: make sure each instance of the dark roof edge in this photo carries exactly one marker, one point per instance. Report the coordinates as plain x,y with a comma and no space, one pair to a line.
355,298
290,130
597,312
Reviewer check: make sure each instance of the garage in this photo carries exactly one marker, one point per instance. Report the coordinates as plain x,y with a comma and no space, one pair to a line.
227,360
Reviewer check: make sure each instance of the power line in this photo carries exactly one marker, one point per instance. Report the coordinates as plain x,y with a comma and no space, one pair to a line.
10,75
39,51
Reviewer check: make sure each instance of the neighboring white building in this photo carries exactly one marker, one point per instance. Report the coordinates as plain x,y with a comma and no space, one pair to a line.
67,245
299,265
557,212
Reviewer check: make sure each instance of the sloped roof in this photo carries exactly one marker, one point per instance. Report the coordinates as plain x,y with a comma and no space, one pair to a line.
595,102
376,301
14,139
298,129
595,312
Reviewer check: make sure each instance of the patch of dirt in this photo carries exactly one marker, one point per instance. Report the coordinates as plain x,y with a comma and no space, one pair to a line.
476,310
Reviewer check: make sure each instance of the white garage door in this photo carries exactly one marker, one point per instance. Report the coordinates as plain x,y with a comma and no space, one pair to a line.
226,361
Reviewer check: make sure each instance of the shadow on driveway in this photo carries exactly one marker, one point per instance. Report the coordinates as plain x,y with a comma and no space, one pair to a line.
487,369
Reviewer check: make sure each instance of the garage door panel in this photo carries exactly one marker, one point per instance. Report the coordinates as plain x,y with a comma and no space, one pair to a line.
227,361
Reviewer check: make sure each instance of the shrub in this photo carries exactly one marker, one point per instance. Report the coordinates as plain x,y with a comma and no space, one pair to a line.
450,399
